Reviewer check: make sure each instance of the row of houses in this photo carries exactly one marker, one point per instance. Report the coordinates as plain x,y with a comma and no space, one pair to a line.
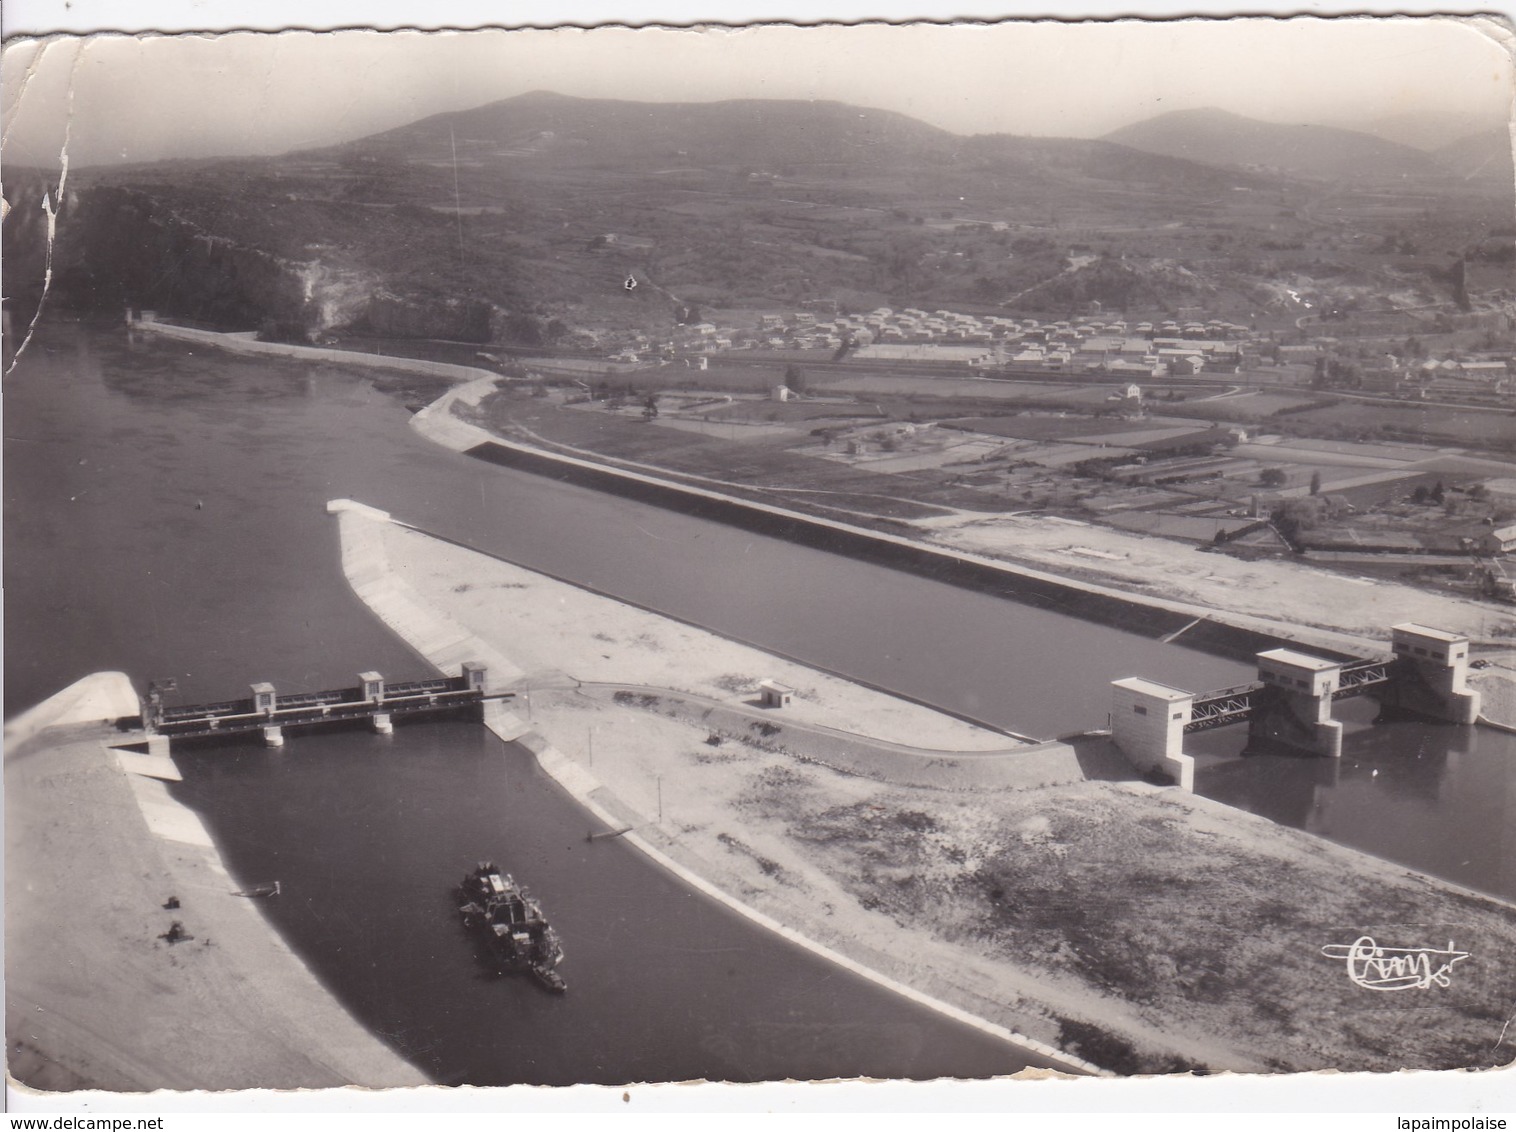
1145,349
1388,374
1469,370
1157,357
914,325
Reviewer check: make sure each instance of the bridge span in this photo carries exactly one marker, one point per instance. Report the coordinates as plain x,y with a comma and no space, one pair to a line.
1235,705
270,712
1288,709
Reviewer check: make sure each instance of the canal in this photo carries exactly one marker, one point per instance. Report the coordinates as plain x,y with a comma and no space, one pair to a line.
165,516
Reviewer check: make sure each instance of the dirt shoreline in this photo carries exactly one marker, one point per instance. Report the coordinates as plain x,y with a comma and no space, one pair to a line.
97,997
1190,902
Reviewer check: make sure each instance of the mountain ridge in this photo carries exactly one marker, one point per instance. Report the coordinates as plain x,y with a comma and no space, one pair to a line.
523,219
1212,136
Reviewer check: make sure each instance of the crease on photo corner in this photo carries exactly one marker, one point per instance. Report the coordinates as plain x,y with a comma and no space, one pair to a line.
50,204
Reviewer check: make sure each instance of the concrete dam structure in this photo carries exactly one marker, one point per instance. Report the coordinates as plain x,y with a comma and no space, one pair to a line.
269,712
1288,709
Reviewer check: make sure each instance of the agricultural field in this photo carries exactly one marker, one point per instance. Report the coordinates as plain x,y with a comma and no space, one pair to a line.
927,449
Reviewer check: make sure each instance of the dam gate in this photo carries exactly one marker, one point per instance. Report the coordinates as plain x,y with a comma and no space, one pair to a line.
1288,709
270,712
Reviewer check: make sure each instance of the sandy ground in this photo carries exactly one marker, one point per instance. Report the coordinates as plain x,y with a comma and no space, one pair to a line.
1268,589
95,996
562,635
1142,929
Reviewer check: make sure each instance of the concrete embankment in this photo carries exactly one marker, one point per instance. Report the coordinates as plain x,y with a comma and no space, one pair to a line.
1237,636
1038,764
1497,693
98,696
247,342
100,861
446,643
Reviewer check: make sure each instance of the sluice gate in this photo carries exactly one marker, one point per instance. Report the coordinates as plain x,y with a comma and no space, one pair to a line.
270,712
1288,709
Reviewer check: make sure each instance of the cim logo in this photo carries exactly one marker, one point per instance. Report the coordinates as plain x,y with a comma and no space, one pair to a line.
1395,968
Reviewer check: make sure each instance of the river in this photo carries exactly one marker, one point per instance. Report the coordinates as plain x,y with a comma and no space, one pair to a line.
164,516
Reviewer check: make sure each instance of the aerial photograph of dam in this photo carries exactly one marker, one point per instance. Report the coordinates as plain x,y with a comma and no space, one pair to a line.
615,556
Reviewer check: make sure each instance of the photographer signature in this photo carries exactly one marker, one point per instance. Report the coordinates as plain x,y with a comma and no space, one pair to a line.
1395,968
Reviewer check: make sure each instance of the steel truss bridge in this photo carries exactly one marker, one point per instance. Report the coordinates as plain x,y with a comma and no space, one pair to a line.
1235,705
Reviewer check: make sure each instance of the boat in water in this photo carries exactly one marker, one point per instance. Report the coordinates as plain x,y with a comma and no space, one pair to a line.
516,935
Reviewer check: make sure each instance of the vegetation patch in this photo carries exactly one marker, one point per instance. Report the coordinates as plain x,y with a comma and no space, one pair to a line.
1197,927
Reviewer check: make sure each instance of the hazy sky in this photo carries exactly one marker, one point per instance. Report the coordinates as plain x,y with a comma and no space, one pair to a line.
144,98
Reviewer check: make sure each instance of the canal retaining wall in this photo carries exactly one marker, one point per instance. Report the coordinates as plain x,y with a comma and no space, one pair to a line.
247,342
97,697
1232,635
1041,764
1043,591
1497,692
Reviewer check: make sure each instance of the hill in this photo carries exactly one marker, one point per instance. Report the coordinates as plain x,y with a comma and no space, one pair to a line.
646,135
1219,137
1426,130
1484,156
522,223
512,221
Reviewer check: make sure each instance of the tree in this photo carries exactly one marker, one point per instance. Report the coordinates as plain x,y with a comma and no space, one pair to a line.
650,407
1346,373
1315,483
521,329
1295,516
1273,477
794,377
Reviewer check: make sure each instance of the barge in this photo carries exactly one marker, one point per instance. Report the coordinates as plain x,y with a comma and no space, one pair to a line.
510,924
